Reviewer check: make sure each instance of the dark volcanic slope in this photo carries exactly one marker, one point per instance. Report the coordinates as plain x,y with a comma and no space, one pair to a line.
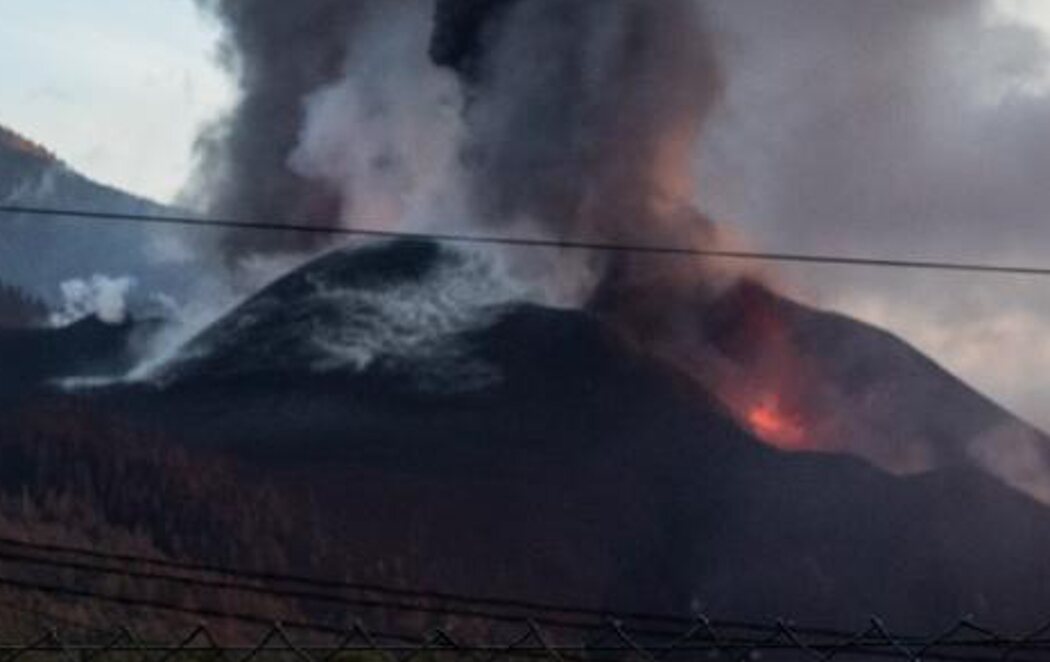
864,391
30,357
348,312
574,469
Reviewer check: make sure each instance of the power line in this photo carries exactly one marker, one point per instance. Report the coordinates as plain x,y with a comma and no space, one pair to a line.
532,610
763,637
461,612
567,244
538,614
160,605
329,584
872,642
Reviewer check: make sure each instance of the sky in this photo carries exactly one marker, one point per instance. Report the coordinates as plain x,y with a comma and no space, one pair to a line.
119,88
921,133
116,88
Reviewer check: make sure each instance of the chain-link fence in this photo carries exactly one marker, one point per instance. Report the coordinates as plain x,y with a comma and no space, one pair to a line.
965,642
342,621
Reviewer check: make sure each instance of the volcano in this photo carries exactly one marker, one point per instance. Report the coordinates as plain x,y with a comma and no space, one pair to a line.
432,430
88,348
849,387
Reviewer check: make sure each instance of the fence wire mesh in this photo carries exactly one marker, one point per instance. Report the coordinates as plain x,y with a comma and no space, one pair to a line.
478,629
965,642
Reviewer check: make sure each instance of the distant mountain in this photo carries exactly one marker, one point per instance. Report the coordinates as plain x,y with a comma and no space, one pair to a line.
23,159
37,254
482,445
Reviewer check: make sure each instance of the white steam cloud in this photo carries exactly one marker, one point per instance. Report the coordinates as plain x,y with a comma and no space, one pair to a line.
385,134
100,296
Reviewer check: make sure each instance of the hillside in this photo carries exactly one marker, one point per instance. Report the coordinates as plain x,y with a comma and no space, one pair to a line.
19,309
37,254
850,387
576,470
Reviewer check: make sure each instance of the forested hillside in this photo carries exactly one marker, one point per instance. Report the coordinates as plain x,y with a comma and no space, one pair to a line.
20,309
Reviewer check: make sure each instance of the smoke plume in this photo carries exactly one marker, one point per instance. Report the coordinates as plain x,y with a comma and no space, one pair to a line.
582,116
279,52
575,118
385,134
581,120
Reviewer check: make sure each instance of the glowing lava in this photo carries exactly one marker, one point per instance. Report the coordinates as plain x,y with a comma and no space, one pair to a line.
768,419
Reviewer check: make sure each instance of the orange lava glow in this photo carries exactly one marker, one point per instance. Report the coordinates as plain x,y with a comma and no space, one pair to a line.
775,426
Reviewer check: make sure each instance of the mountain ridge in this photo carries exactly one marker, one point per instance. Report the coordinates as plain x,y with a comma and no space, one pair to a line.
38,254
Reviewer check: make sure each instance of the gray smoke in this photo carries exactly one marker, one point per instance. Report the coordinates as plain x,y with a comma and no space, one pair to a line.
896,128
279,52
582,116
581,120
385,134
576,119
571,119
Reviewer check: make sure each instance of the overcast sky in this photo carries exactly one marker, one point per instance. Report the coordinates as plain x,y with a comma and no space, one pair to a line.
117,88
900,129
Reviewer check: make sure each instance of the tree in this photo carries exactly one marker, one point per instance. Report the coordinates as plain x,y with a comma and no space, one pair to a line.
19,308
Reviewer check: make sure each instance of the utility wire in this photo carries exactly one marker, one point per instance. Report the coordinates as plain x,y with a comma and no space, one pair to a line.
160,605
862,645
763,641
599,619
532,610
319,583
569,244
462,612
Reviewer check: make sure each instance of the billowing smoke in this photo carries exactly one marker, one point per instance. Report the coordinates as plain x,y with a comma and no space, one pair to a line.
581,120
571,120
385,135
574,118
582,115
279,52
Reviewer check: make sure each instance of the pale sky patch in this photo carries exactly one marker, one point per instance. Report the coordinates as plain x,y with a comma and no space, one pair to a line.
117,88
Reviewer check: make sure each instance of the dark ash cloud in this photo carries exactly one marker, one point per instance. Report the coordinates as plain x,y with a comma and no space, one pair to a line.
279,53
